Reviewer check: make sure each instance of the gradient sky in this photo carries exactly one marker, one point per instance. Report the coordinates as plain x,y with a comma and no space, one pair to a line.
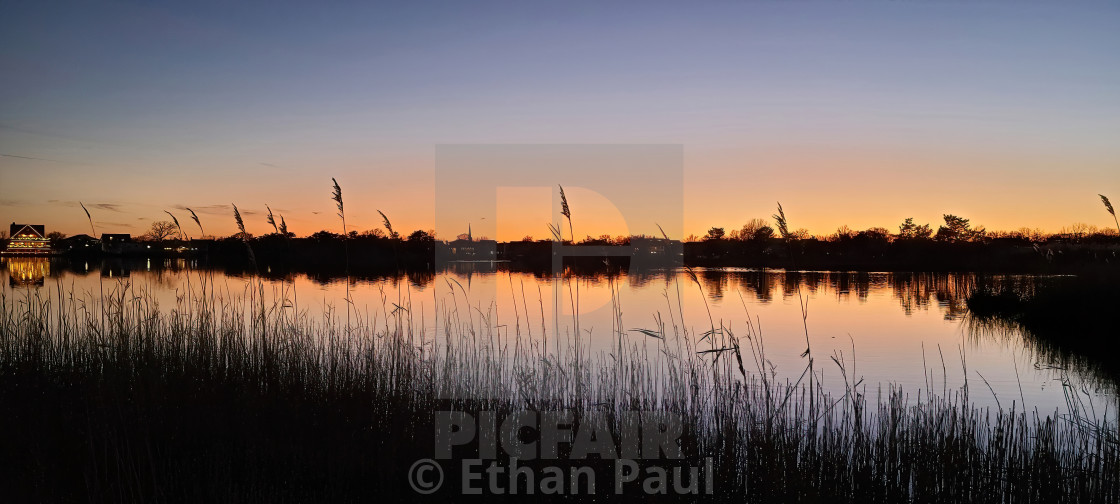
856,113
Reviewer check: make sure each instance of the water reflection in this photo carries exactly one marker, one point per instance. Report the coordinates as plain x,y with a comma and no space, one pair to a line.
116,268
892,317
27,271
1099,372
947,292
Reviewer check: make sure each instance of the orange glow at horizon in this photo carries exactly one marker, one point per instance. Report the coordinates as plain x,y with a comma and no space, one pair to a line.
526,211
820,189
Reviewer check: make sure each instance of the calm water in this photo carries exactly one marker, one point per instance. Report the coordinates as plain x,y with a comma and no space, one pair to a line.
888,327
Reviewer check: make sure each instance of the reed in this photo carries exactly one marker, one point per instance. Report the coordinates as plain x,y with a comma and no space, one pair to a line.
244,236
388,226
90,217
128,399
272,221
1111,211
198,222
176,221
337,197
566,212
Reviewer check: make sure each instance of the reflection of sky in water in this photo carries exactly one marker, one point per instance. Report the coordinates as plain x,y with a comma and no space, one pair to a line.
887,328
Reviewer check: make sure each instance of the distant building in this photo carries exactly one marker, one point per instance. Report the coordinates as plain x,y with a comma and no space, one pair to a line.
643,246
467,249
76,244
28,239
119,243
655,253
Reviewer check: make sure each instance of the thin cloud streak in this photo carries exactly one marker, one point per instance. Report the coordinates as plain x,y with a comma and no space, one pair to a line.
112,207
47,160
119,224
222,210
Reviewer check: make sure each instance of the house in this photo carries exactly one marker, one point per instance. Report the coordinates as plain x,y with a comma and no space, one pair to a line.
119,244
79,244
28,239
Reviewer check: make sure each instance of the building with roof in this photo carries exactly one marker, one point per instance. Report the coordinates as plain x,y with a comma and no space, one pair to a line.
28,239
121,244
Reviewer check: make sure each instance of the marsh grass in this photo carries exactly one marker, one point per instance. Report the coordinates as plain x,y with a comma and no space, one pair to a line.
198,222
1111,211
90,217
230,395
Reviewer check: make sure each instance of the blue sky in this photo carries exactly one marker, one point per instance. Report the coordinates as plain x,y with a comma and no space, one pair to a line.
857,113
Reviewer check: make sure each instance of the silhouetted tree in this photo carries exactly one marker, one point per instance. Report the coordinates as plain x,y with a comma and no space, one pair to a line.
161,230
754,229
843,233
956,229
800,234
324,235
875,234
762,233
910,231
1026,233
715,233
420,237
1078,230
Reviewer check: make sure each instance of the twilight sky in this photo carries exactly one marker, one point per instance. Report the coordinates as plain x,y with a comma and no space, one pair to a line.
856,113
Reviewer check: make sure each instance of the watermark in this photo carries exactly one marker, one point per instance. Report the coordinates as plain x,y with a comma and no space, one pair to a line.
633,193
425,476
555,453
643,184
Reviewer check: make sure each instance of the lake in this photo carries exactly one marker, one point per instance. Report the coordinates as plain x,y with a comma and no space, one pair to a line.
908,329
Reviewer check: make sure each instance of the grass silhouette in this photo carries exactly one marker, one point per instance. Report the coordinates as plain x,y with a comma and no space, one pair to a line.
208,399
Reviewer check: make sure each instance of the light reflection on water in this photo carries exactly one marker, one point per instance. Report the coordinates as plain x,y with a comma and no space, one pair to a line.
905,328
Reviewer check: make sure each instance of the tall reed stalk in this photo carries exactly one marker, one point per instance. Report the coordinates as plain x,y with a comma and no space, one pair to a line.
90,217
337,197
1112,211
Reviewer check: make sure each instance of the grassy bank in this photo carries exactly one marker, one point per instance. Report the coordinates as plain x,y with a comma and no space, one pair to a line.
249,396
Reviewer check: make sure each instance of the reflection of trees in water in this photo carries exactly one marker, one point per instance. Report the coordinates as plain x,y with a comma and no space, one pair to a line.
845,283
714,282
1097,371
913,291
759,283
645,278
950,291
813,280
791,280
421,278
919,291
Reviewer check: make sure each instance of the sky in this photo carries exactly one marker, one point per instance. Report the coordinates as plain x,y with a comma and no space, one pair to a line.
849,113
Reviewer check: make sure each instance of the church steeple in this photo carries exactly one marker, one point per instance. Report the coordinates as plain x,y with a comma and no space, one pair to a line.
469,237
